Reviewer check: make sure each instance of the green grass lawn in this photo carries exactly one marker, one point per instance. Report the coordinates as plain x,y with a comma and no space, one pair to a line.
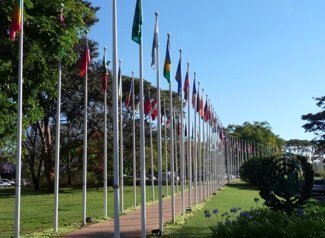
37,207
197,225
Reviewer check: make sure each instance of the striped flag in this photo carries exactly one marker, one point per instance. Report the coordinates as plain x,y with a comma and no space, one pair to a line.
167,62
16,20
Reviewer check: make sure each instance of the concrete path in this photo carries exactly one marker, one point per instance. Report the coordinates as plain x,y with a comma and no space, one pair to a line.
130,224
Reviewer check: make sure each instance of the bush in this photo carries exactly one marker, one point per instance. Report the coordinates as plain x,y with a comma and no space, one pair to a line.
253,171
265,223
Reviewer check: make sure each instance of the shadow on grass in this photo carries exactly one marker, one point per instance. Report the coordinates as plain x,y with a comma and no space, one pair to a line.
10,192
241,185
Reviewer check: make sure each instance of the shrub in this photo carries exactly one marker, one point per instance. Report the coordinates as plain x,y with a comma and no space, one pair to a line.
267,223
253,171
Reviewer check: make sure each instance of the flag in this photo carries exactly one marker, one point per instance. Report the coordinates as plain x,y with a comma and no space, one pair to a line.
201,107
162,113
178,76
84,61
155,45
206,118
119,82
167,62
186,86
137,23
154,111
16,20
128,99
61,18
104,74
147,105
198,102
194,94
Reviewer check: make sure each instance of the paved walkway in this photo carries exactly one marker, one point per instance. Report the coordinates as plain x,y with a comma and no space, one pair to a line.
130,224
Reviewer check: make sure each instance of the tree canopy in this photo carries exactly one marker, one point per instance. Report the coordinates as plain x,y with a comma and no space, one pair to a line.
316,124
257,132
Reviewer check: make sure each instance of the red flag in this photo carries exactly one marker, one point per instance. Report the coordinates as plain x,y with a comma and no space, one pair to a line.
147,105
84,61
154,112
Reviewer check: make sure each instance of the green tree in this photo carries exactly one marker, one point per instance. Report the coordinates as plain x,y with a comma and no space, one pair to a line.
259,133
316,124
46,41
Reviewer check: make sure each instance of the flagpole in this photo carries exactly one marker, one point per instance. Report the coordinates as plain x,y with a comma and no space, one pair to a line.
84,168
171,144
165,140
189,161
175,146
142,149
121,143
182,145
105,142
199,149
159,134
204,156
195,145
19,124
151,151
134,152
57,152
115,126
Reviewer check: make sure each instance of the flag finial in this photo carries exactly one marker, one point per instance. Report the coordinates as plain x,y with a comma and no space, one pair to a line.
156,13
168,35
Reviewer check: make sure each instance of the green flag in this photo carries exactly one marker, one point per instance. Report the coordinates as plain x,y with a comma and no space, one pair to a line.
137,23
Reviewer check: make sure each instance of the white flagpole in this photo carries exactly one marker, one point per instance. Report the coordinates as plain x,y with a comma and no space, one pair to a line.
175,145
195,146
57,152
19,124
159,134
182,146
165,140
142,149
189,159
121,144
105,145
151,152
199,150
171,141
204,156
115,126
84,168
134,152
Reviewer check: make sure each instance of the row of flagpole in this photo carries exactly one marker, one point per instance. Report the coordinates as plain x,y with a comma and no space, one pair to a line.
205,153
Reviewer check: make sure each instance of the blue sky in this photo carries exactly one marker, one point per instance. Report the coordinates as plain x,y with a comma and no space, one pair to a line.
257,60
